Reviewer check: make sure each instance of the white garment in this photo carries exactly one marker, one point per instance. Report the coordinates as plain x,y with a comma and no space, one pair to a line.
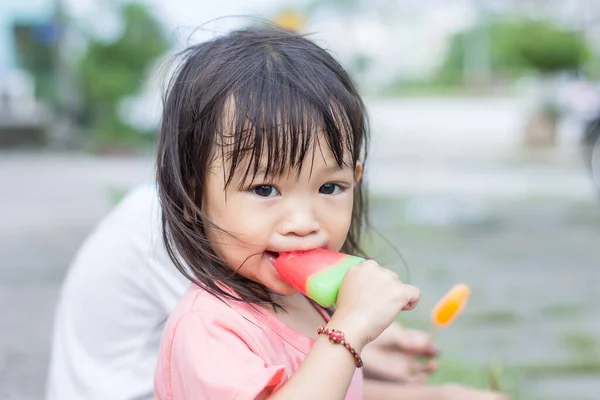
114,303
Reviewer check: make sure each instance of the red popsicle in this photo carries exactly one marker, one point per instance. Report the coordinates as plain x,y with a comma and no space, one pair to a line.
316,273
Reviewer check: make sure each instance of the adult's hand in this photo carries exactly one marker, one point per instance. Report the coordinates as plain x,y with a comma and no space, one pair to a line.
400,355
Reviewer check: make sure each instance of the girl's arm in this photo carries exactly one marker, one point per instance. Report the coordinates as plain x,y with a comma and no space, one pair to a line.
369,300
326,372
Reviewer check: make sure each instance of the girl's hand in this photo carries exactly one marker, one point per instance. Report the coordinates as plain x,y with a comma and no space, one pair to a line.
453,391
369,300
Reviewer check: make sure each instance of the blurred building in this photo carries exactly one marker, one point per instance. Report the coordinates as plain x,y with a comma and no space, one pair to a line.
28,35
386,41
27,32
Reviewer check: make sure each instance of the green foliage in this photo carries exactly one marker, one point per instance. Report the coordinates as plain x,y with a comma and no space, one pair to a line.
497,376
110,72
35,52
547,48
519,47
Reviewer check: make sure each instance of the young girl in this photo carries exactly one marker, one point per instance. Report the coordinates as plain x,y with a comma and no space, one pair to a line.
262,149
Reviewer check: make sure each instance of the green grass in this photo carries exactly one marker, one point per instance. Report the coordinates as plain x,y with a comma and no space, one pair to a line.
438,275
452,370
585,215
494,317
581,344
561,310
493,376
571,367
426,88
510,379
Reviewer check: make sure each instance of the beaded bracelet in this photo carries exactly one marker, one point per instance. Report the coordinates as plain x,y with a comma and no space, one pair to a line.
337,337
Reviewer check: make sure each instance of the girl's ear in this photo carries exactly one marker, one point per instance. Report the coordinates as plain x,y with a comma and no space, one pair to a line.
192,192
358,171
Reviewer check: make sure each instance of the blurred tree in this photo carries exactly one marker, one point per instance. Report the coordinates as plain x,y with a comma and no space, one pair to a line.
526,47
35,51
110,72
520,48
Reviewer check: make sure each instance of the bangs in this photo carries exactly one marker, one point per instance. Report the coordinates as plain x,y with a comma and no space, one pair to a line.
270,126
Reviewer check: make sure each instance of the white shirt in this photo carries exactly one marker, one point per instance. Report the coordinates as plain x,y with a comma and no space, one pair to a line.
114,303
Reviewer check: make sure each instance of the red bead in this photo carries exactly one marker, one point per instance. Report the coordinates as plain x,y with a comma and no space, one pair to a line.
337,337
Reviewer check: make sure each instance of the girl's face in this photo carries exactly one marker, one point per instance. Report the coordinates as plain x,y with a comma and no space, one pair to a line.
302,211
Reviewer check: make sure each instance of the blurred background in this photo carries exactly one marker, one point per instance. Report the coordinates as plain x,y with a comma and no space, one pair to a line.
484,166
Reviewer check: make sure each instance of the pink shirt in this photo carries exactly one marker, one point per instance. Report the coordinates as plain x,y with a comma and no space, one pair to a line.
221,350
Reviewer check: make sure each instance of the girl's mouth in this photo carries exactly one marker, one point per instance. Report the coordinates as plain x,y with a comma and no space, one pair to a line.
272,254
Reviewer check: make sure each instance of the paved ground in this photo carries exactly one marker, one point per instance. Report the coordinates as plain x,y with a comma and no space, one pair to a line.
48,203
534,268
526,237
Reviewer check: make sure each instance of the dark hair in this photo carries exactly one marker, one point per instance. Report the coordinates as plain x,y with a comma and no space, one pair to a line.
257,92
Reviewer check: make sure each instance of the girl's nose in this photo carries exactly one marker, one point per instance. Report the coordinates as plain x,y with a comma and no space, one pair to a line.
300,220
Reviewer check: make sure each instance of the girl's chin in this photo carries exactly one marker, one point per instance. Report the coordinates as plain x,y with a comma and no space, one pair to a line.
283,289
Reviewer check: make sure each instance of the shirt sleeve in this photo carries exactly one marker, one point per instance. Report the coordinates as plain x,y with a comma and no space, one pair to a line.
211,359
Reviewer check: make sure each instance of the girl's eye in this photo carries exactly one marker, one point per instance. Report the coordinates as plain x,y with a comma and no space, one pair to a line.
265,191
330,188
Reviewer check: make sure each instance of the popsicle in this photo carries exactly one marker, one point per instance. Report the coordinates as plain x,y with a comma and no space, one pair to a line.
450,306
316,273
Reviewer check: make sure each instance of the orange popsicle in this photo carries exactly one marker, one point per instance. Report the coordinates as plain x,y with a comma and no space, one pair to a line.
448,308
